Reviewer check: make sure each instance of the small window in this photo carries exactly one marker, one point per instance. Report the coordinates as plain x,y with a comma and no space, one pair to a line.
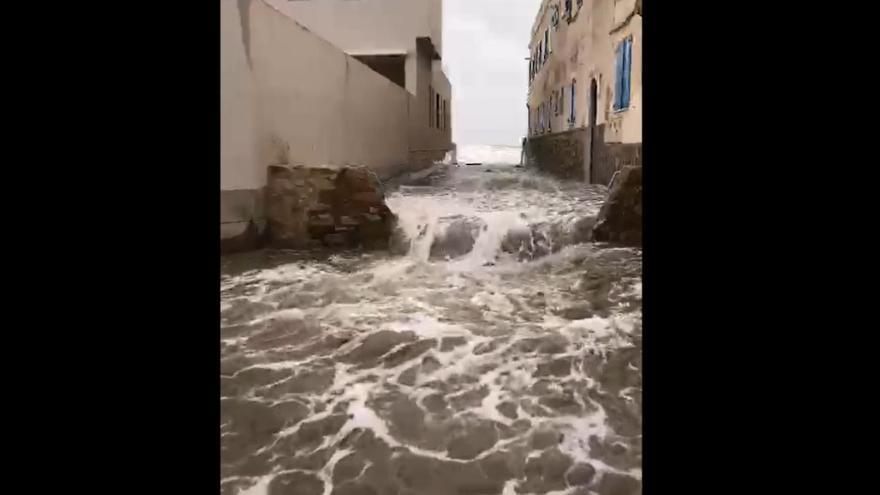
571,115
437,113
548,49
554,17
568,9
622,74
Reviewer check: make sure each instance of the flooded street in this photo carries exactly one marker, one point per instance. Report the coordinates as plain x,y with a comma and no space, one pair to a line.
493,352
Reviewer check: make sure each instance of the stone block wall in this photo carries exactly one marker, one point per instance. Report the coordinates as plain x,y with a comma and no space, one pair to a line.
560,154
608,158
322,207
565,155
422,159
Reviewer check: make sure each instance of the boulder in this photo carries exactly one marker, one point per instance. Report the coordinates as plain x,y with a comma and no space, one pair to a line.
337,208
620,219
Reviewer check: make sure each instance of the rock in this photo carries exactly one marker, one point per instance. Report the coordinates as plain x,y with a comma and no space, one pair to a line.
581,474
527,243
582,230
458,239
312,206
620,219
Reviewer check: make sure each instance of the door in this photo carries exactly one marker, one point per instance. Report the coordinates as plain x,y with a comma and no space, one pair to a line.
591,160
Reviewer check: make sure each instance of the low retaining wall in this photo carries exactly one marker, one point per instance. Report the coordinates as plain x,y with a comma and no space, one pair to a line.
608,158
565,155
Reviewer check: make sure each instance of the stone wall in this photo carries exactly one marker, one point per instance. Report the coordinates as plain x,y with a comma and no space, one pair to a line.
324,207
608,158
422,159
560,154
565,155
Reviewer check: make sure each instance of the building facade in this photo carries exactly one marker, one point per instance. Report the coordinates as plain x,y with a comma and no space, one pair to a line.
401,39
318,83
585,88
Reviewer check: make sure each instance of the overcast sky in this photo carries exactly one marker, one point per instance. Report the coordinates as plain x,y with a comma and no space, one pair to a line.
485,43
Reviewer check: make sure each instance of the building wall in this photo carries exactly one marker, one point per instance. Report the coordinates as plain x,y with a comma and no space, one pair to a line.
290,97
583,51
319,106
241,179
366,27
372,25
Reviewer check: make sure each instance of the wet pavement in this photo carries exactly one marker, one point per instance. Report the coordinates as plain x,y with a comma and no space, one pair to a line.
494,352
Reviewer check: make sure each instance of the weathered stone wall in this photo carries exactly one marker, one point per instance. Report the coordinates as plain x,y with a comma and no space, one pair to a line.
608,158
560,154
419,160
565,155
324,207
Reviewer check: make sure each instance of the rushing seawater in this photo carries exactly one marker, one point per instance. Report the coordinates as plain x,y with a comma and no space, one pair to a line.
494,353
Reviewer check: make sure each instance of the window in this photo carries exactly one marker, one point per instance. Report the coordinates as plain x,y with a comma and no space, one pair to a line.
430,106
547,48
437,111
622,73
571,107
568,9
554,17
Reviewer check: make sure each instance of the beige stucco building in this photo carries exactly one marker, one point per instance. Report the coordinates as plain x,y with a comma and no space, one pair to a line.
585,88
325,83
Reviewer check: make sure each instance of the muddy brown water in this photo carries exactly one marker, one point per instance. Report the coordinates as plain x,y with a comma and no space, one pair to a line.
466,364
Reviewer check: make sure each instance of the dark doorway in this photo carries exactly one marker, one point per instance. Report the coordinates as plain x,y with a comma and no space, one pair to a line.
593,132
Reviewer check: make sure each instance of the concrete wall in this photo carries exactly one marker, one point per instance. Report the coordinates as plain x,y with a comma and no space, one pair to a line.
583,51
411,27
290,97
318,106
241,177
372,26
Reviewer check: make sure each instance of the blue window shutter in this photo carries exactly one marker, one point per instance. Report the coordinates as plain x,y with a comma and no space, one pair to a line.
618,76
627,66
